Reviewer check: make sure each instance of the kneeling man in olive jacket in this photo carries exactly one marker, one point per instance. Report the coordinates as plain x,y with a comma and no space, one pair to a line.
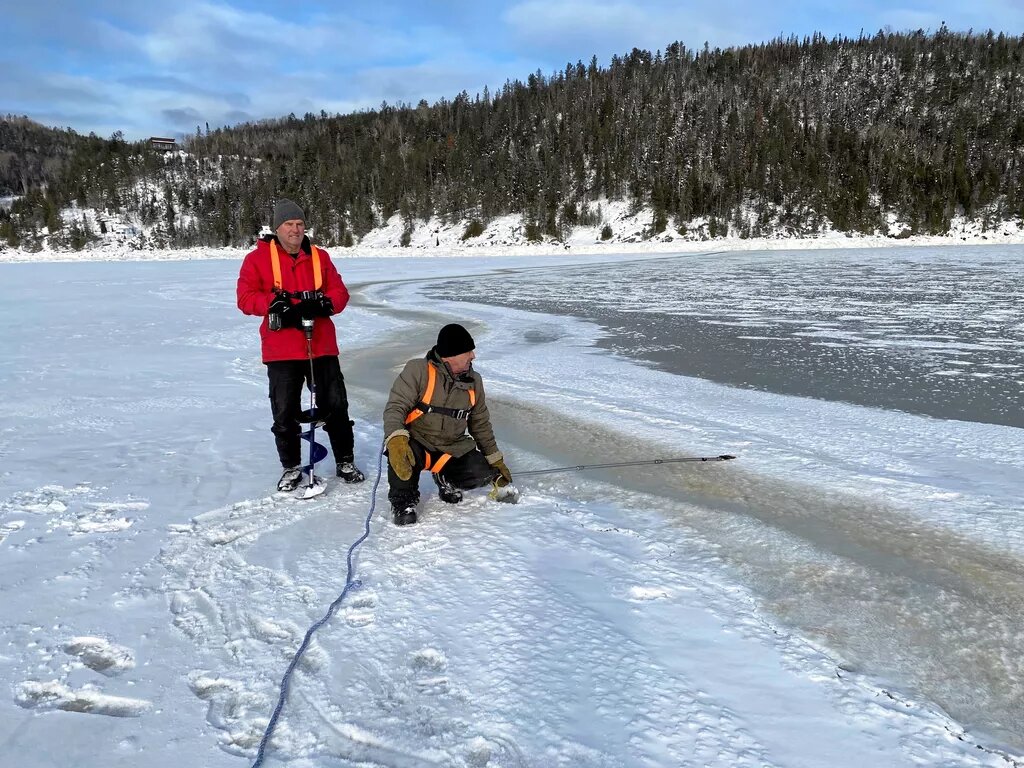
436,419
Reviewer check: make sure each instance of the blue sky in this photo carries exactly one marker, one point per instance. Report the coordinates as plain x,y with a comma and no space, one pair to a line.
164,68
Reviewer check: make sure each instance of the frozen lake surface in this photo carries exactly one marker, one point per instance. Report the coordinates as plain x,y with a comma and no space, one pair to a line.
937,331
849,592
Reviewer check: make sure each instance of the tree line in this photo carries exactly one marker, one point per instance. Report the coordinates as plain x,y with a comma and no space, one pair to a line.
794,135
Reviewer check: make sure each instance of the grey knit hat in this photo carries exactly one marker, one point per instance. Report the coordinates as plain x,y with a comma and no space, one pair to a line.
286,210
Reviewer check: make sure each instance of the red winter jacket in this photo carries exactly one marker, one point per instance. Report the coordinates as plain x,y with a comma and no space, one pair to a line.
255,292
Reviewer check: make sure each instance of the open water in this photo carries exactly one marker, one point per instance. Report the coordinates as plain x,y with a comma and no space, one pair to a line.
935,331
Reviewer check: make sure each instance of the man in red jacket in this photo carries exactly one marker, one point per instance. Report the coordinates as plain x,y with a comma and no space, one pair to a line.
284,280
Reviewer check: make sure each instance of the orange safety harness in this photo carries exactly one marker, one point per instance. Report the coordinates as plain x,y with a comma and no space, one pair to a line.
275,264
424,406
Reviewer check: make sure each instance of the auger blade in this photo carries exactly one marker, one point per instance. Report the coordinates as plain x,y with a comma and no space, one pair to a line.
312,416
311,491
317,452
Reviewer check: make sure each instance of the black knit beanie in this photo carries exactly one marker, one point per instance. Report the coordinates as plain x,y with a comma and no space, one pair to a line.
453,340
285,210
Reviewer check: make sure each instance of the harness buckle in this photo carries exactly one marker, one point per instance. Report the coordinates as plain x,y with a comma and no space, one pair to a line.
455,413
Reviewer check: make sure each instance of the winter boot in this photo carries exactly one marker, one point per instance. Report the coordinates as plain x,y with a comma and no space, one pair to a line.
447,492
349,472
290,479
403,509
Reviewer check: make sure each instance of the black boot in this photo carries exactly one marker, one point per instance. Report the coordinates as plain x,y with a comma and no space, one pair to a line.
447,492
349,472
403,509
290,479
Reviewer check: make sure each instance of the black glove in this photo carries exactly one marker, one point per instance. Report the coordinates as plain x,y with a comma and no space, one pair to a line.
286,313
320,306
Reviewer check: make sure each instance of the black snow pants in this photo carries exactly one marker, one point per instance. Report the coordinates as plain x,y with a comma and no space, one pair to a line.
470,470
287,378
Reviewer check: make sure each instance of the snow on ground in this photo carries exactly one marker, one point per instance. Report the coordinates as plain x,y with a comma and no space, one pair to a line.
379,246
150,578
506,236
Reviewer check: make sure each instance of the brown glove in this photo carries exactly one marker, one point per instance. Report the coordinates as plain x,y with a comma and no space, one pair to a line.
400,456
506,476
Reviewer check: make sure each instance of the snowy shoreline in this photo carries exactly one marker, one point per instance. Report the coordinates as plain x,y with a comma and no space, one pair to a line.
577,246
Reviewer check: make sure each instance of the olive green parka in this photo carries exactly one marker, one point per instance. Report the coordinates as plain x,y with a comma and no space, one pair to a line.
435,431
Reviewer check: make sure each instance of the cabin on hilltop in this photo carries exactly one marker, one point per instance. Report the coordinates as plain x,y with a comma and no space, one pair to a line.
162,143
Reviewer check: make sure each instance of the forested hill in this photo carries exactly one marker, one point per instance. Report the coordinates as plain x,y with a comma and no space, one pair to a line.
32,155
890,133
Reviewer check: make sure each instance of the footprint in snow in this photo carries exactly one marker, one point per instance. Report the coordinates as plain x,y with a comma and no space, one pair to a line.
11,526
231,706
70,509
428,666
361,610
53,694
429,544
100,655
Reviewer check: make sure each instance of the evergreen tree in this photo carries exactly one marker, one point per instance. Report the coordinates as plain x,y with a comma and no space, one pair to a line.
792,134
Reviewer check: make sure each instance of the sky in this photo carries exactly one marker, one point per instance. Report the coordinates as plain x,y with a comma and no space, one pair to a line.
801,606
163,69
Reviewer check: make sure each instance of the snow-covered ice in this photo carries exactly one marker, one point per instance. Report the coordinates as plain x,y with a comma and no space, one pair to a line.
846,593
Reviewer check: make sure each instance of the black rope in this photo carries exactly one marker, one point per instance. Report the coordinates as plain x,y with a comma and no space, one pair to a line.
723,457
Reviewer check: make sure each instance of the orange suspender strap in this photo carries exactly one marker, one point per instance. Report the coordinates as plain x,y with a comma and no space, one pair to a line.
435,466
275,264
318,279
439,464
415,413
429,463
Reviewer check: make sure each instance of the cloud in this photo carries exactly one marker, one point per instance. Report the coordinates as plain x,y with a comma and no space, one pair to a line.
440,77
979,16
216,41
24,88
65,37
580,28
179,85
584,26
237,116
571,30
149,68
182,117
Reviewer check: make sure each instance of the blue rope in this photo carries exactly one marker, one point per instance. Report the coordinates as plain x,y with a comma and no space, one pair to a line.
350,583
